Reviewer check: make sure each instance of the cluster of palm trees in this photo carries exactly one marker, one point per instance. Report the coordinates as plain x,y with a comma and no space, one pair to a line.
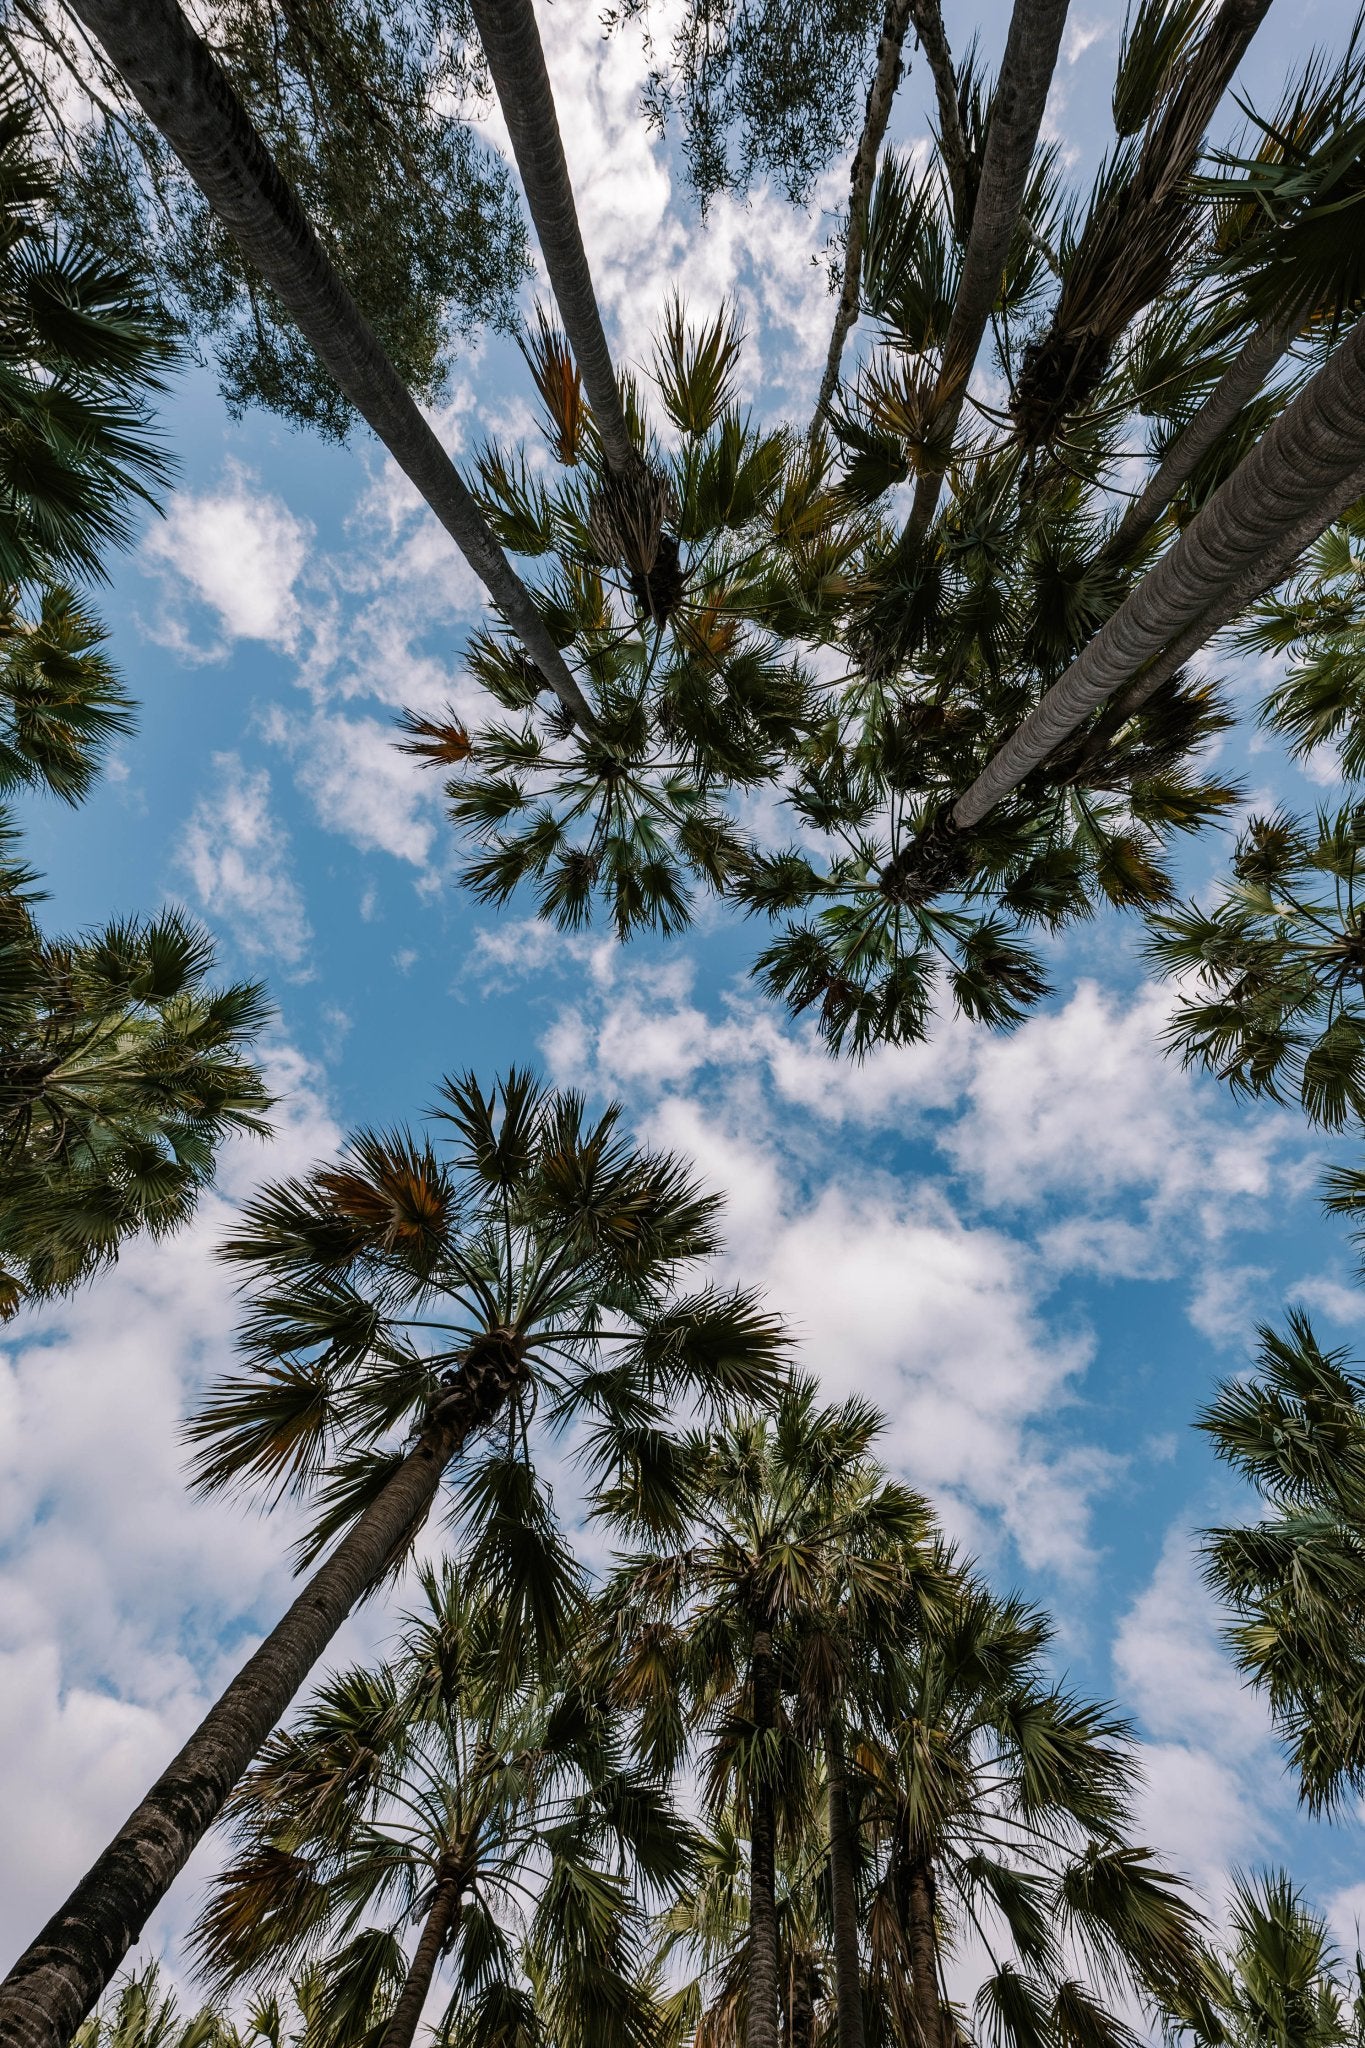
786,1769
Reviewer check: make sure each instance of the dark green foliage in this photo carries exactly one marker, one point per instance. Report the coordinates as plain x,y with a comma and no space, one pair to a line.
121,1071
1277,967
761,88
79,356
432,249
1316,625
1294,1582
61,704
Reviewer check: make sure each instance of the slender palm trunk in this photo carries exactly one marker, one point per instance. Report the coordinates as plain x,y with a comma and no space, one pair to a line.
848,1994
885,78
511,43
444,1912
184,92
1235,388
62,1973
1297,479
920,1908
928,17
1030,58
763,1970
801,2001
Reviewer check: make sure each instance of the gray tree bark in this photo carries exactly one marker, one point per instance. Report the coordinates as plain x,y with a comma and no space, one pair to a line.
1296,480
511,42
882,92
1035,35
185,93
62,1973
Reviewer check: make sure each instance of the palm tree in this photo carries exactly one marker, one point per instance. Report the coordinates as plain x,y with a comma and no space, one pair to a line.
998,1804
702,1632
446,1796
121,1071
1278,1983
397,1291
1031,47
511,43
142,2015
1294,1582
173,76
61,702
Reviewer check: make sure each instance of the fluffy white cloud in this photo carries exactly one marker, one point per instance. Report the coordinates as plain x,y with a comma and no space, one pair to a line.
360,784
236,854
238,550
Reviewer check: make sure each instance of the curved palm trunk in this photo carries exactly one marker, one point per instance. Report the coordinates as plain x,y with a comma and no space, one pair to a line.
445,1911
61,1974
511,42
1291,486
1030,58
928,17
1235,388
763,1967
184,92
885,78
848,1994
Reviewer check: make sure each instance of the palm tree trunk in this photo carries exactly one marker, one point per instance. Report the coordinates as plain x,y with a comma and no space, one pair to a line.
445,1911
933,41
1235,388
1291,486
885,78
763,1971
919,1892
62,1973
511,43
801,2002
1030,58
848,1994
184,92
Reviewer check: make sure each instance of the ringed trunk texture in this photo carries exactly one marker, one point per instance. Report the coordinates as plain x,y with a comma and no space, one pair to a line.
1235,388
445,1912
885,79
511,43
928,17
1302,473
920,1908
187,96
1030,58
62,1973
763,1970
848,1995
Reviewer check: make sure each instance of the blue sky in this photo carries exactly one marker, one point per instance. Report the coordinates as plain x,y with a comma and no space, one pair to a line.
1037,1253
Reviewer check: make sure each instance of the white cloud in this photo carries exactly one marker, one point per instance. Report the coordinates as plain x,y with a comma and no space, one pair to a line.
236,853
360,783
238,550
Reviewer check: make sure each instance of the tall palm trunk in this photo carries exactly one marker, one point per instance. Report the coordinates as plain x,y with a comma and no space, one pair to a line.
848,1994
442,1916
952,142
763,1969
1235,388
885,78
511,42
1030,58
918,1893
801,2000
1297,479
184,92
62,1973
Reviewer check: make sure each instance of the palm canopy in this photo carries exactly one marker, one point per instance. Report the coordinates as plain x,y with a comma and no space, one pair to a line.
997,1810
1278,1981
122,1069
502,1817
1294,1581
542,1256
80,356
